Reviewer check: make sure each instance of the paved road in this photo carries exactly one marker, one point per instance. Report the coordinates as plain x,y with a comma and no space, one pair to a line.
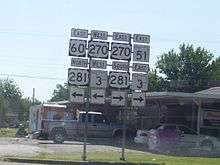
29,148
12,163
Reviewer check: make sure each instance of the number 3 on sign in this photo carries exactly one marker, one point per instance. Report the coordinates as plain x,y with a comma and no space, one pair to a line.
78,76
119,79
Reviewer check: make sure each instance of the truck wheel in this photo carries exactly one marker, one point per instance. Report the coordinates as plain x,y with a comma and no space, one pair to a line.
207,145
58,137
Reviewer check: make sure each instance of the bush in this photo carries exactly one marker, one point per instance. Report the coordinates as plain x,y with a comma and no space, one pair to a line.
7,132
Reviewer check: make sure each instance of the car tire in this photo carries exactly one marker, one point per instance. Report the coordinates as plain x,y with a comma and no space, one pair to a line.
58,136
207,145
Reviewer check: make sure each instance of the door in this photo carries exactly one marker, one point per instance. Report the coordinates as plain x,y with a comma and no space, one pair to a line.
81,125
188,136
101,126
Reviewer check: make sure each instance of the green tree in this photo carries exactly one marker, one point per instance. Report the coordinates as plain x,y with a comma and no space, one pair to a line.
156,83
3,111
215,70
10,99
60,93
188,70
25,105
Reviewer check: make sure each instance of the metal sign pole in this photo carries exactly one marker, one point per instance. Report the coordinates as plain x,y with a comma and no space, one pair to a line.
124,116
88,92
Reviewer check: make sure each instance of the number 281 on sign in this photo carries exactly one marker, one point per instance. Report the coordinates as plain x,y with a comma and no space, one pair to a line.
119,79
78,76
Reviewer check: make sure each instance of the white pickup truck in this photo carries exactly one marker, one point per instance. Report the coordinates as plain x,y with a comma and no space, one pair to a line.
98,126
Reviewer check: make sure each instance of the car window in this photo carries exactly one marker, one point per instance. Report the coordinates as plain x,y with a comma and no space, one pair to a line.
143,134
89,118
186,130
169,127
99,119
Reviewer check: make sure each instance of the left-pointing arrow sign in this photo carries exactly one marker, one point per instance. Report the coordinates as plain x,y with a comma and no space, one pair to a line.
77,95
97,95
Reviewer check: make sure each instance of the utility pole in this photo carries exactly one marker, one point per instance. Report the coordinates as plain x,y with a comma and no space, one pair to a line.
33,101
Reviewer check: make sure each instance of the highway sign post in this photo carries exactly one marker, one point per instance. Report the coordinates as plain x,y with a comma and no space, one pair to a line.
81,33
91,56
120,51
138,99
78,77
98,64
139,81
138,67
77,47
98,49
118,98
120,65
118,36
119,80
97,34
79,62
77,95
141,38
99,78
141,53
98,96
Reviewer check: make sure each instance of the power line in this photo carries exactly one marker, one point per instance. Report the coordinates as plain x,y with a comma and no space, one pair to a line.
37,34
32,77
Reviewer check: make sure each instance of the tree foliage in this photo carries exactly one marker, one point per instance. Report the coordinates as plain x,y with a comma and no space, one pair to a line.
3,110
156,83
12,102
60,93
215,69
188,70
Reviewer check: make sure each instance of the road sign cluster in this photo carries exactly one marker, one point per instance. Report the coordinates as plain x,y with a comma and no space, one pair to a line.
90,61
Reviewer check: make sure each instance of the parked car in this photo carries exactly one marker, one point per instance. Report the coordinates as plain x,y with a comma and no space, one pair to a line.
98,126
180,135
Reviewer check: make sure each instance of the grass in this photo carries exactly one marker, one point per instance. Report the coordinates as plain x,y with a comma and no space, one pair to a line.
132,157
7,132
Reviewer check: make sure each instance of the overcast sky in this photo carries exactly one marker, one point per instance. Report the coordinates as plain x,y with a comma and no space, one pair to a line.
34,35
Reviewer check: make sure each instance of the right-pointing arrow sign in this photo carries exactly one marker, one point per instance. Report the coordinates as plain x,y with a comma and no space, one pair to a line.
138,99
118,98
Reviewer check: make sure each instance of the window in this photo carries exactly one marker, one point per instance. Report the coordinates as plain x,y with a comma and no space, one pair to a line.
170,127
186,130
84,118
100,119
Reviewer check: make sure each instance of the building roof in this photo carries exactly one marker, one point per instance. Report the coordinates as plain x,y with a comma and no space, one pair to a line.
90,112
169,94
54,105
209,93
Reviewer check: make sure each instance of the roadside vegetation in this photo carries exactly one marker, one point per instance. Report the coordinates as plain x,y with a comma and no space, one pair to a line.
131,157
7,132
